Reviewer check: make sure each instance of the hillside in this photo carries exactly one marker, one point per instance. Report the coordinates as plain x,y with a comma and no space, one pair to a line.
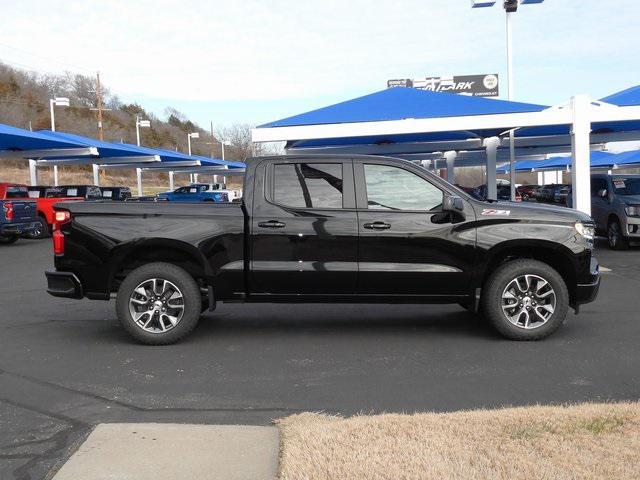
24,103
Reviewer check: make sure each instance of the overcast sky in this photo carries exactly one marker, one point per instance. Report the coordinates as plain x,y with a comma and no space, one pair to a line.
258,61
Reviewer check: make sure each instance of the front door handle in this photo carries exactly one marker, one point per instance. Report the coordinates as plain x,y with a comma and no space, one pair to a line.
377,226
271,224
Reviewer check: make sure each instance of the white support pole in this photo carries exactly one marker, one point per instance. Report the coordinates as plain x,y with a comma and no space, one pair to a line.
33,172
450,158
195,178
540,178
512,149
55,176
96,174
491,148
581,153
171,180
139,178
215,179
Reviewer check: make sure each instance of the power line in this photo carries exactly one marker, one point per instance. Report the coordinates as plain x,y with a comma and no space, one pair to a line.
49,59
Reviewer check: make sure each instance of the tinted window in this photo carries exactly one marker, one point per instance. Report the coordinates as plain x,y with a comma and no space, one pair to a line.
94,192
393,188
626,185
308,185
598,184
17,192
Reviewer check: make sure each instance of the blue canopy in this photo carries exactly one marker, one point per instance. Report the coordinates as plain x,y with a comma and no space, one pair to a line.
598,160
109,149
12,138
625,98
521,166
401,103
620,159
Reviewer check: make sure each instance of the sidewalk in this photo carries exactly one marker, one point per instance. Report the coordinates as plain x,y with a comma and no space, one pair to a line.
155,451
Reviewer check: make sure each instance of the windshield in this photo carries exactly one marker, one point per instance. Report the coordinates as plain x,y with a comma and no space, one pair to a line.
626,185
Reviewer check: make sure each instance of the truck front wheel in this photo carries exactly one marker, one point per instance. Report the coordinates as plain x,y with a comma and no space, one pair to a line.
158,303
525,300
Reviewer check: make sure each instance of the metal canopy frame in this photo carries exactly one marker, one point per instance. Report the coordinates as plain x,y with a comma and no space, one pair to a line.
49,152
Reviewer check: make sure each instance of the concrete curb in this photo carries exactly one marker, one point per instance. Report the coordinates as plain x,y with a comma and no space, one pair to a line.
161,451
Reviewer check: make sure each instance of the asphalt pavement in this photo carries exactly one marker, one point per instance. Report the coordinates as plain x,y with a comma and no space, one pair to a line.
66,365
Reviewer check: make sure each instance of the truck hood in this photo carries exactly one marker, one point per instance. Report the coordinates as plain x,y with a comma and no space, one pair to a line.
630,199
531,211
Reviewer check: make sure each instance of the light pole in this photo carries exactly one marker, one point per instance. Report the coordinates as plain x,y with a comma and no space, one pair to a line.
189,137
510,6
143,124
139,124
56,102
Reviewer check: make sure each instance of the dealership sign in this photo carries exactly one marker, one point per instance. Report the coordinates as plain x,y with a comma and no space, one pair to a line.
476,85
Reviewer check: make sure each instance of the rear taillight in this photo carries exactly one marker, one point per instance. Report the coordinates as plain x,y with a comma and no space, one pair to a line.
61,217
8,210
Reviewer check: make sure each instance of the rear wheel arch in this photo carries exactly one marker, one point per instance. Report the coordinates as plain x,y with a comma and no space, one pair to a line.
177,253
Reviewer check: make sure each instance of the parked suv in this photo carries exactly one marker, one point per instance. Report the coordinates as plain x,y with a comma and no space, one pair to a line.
615,208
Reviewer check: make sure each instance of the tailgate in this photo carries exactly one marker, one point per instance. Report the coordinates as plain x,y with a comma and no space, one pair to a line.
23,210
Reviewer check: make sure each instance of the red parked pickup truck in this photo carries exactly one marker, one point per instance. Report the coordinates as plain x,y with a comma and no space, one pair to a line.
44,204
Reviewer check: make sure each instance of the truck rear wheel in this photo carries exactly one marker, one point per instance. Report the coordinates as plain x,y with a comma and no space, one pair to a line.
158,303
525,300
40,230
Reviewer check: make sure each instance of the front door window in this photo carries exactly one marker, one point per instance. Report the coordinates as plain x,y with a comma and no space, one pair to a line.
393,188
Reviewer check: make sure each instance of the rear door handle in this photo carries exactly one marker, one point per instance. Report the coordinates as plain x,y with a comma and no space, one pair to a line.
377,226
271,224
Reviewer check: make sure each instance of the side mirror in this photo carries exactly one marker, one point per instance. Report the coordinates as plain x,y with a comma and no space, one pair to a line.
451,203
602,193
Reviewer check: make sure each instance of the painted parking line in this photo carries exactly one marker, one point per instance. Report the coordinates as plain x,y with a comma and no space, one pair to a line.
605,269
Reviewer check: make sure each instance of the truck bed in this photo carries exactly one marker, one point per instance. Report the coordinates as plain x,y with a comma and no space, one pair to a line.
106,238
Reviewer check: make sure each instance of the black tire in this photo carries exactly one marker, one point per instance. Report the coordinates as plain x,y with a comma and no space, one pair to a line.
41,230
615,237
191,299
9,240
502,277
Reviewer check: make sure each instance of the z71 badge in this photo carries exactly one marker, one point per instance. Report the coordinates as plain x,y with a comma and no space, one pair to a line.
494,212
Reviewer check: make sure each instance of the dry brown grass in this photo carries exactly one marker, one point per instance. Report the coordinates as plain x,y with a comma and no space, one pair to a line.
590,441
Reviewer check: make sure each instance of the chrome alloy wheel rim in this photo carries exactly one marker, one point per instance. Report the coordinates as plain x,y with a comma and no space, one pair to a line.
156,305
528,301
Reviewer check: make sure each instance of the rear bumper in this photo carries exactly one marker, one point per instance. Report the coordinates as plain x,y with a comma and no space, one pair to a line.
9,229
63,284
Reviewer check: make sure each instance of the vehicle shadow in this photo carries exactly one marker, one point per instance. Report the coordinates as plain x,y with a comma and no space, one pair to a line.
342,319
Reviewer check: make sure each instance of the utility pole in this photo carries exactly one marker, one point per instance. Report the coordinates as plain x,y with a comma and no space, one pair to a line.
213,141
99,101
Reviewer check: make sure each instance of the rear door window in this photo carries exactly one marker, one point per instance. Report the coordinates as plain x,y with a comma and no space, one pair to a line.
308,185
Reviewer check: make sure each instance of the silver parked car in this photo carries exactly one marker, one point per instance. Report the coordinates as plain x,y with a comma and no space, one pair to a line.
615,207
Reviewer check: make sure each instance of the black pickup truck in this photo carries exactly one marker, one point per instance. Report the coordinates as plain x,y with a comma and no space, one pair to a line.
327,229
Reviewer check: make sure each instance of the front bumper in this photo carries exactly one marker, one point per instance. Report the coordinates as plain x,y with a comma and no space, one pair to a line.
9,229
632,228
587,292
63,284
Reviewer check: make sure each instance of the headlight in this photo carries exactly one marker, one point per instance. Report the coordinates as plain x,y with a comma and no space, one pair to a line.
632,210
586,230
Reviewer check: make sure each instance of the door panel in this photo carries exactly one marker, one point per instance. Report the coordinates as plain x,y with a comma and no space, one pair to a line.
407,245
304,230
